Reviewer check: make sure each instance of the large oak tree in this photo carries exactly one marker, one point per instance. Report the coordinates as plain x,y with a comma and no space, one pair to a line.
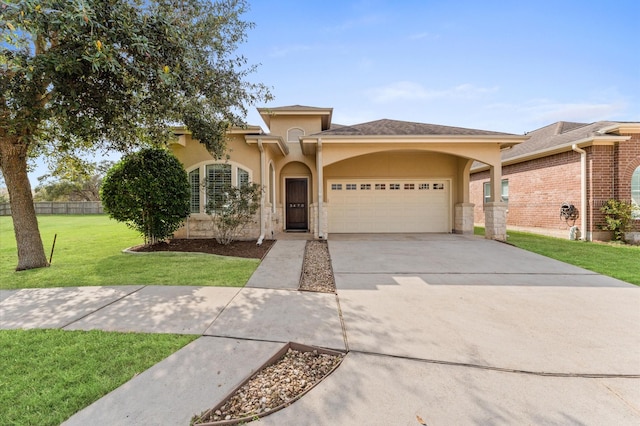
109,74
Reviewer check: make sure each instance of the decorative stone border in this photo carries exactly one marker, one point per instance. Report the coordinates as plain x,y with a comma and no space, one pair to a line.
273,360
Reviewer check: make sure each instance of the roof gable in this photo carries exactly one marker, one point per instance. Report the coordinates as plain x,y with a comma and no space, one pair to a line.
324,114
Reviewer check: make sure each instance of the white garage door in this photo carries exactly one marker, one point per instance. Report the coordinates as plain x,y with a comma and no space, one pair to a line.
388,205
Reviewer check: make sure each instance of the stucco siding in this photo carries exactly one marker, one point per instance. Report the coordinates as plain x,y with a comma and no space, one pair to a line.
413,164
238,151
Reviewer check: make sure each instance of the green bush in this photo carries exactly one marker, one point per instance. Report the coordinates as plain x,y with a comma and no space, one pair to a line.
618,215
149,191
232,208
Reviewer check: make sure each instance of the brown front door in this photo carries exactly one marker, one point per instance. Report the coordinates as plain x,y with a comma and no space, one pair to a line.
296,204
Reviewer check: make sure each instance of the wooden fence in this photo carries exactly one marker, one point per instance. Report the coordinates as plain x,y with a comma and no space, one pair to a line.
60,207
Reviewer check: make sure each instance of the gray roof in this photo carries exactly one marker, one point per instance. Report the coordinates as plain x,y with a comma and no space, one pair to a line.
387,127
556,134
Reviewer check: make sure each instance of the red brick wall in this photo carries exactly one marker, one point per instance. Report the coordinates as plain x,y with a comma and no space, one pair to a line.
627,157
601,180
537,188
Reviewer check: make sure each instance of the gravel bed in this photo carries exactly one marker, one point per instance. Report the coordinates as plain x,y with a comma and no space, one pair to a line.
296,372
275,385
317,274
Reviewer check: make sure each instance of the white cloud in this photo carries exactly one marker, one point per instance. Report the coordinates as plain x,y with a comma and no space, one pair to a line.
536,113
408,90
282,51
580,112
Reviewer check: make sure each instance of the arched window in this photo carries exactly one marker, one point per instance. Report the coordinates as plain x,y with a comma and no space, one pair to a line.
294,134
635,192
208,180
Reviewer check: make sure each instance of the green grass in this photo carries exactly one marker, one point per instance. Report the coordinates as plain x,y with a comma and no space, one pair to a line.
48,375
88,253
613,259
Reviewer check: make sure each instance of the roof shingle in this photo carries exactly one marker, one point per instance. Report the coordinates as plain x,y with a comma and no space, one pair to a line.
386,127
556,134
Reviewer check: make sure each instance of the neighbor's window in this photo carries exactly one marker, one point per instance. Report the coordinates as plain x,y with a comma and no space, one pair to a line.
504,194
635,192
505,191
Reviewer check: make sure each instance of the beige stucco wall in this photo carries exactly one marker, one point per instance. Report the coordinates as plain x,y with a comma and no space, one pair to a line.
281,124
377,157
405,164
194,154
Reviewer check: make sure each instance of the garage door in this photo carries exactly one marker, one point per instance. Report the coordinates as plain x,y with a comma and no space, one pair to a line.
388,205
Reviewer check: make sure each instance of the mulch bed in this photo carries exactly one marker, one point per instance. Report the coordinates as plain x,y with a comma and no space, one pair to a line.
246,249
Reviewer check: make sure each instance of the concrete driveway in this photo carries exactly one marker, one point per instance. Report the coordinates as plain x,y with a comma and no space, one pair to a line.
457,329
441,330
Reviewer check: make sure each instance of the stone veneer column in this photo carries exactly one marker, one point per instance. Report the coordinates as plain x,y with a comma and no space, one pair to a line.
463,218
313,218
324,221
268,221
495,221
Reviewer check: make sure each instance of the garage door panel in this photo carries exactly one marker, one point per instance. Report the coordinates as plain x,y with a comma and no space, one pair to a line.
389,206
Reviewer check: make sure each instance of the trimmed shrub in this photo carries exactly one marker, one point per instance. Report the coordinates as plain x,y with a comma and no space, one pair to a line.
149,191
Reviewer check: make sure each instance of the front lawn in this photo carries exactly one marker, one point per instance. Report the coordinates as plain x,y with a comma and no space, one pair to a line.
48,375
613,259
88,252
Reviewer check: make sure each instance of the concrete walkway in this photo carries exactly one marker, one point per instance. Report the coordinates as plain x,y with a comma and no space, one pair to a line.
446,328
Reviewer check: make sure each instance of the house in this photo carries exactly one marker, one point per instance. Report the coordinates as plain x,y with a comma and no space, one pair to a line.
384,176
565,168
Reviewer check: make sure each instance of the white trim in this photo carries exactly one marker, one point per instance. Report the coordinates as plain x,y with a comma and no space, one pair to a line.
403,184
272,184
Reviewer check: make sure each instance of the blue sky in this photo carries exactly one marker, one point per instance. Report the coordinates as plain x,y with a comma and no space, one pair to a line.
510,66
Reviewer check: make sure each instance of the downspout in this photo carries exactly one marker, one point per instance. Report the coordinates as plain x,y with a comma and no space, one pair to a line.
262,180
320,186
583,190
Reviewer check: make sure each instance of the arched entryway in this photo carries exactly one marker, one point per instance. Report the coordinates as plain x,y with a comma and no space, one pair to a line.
296,190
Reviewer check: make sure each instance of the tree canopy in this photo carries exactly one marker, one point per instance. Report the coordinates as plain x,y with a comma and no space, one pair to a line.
73,182
84,75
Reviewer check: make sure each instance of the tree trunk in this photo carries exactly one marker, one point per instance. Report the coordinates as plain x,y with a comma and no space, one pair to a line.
13,160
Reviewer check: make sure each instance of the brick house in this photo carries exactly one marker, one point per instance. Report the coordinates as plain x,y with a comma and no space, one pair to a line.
565,164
